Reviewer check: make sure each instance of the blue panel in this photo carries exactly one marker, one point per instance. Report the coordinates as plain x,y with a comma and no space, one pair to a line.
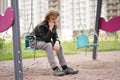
83,41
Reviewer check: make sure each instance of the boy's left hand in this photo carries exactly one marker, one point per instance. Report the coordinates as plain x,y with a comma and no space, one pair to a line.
56,46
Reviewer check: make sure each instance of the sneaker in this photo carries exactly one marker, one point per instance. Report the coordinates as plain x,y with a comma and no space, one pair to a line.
58,72
70,71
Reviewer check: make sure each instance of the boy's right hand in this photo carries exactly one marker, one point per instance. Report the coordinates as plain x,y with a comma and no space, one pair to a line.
51,25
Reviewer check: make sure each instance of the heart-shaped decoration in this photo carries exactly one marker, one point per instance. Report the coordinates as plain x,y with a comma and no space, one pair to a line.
7,19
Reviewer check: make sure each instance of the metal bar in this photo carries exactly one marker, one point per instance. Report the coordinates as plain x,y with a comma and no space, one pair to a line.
99,5
17,43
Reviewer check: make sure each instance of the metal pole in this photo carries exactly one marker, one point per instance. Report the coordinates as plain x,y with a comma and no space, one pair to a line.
99,4
17,43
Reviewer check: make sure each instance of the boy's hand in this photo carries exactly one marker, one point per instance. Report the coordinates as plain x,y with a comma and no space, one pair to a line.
56,46
51,25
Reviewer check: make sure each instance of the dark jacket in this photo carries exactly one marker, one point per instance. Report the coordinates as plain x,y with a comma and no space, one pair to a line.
43,33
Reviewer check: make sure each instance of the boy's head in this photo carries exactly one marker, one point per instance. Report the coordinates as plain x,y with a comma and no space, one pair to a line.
51,14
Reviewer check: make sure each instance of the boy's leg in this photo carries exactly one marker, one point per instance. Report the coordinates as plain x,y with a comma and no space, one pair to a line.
63,63
61,57
49,51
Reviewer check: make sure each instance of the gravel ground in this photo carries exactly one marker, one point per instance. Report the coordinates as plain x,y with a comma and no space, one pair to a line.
106,67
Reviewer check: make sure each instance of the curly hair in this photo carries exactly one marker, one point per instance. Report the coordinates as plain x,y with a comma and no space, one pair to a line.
51,12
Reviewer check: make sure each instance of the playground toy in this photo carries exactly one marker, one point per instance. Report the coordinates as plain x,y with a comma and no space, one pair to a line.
110,26
30,37
6,20
83,41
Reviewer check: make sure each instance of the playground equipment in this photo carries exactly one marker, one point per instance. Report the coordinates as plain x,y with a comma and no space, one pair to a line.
11,18
6,20
111,25
30,37
16,37
83,41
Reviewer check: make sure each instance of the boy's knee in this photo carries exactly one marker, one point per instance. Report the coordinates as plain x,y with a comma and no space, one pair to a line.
49,45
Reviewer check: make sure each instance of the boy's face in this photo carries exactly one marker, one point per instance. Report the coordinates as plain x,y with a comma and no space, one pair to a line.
52,19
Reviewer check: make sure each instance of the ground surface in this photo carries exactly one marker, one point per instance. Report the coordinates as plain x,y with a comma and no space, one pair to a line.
106,67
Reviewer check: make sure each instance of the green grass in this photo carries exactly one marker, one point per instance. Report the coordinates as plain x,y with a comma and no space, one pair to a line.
109,45
69,48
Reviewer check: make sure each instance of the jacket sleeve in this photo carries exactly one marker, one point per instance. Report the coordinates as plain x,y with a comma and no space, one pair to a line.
55,36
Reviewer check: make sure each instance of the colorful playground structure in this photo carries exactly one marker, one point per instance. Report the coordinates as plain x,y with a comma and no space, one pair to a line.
11,18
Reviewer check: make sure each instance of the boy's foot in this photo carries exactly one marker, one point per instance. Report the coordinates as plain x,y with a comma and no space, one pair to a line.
70,71
58,72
